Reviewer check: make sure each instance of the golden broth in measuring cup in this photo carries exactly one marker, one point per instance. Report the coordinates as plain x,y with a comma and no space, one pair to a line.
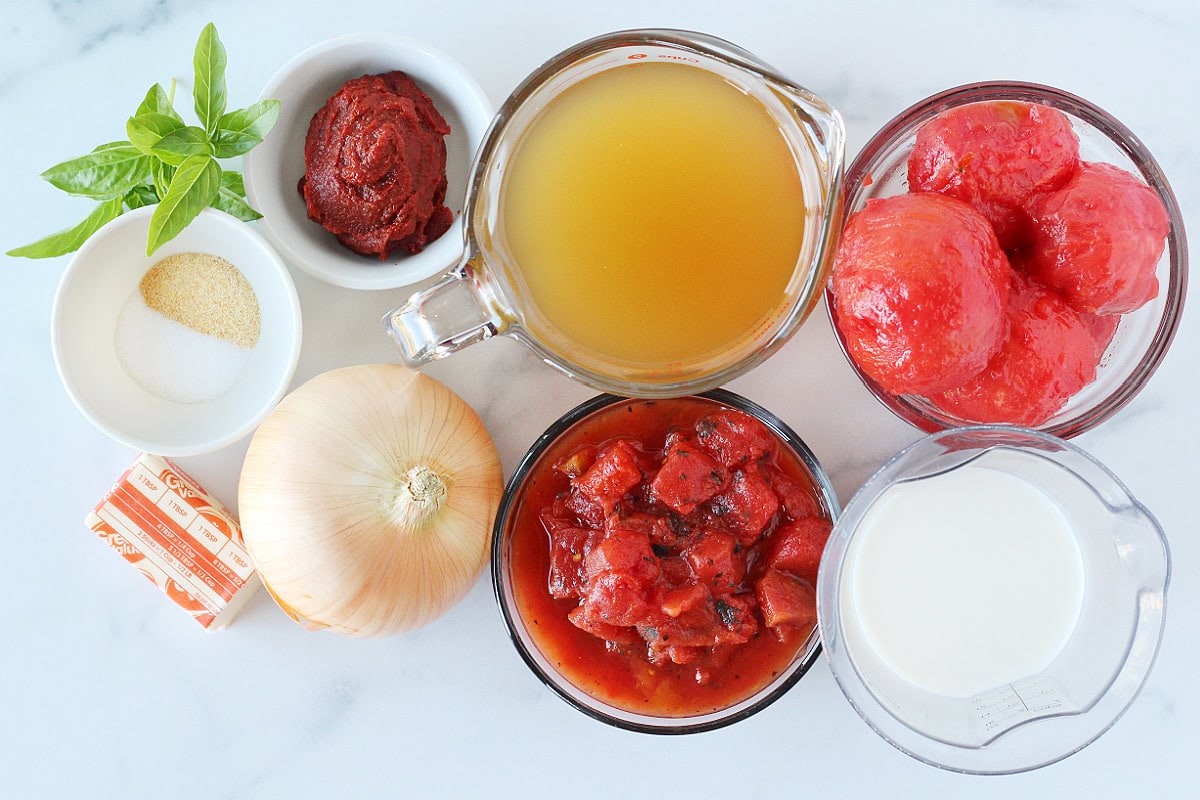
652,212
656,212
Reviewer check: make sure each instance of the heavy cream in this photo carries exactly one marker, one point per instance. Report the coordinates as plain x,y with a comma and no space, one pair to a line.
964,581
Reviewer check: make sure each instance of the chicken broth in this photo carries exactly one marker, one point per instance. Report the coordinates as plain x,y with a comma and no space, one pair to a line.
657,213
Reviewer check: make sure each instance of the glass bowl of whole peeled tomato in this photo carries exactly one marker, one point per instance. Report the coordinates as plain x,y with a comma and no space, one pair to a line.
655,561
1011,253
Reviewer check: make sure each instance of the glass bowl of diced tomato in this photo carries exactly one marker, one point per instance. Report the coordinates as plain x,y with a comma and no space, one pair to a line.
655,561
1011,253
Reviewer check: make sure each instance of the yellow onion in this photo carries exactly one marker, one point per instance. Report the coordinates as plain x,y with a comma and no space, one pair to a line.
367,499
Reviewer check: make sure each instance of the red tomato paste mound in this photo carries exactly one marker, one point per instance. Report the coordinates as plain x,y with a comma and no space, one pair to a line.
920,285
997,157
658,559
1050,354
375,161
1099,239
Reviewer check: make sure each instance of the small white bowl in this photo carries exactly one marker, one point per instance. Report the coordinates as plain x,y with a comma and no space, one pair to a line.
273,168
101,278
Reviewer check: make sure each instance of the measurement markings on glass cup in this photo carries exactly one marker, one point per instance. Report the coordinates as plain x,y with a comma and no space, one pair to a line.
1024,699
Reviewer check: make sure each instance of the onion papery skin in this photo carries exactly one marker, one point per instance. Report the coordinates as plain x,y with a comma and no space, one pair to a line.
326,508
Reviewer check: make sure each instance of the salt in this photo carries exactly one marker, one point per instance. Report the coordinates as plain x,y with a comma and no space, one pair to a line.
173,361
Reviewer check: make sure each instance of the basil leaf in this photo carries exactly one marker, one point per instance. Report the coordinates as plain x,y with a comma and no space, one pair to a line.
146,130
162,173
239,131
109,171
68,241
193,188
181,143
231,204
232,181
141,195
157,102
209,91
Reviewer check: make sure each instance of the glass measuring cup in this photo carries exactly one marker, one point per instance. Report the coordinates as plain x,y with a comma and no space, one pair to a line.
489,291
1028,720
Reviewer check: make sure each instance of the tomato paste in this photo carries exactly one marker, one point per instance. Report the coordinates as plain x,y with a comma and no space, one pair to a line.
375,161
665,555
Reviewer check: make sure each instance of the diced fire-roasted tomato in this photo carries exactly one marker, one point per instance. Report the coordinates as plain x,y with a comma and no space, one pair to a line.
610,633
676,601
695,627
658,528
615,599
615,471
717,561
796,502
687,478
576,463
568,546
746,505
733,438
675,571
786,600
625,552
683,655
701,621
573,503
797,546
738,623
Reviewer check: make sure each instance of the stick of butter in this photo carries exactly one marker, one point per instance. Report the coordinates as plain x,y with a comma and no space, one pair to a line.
180,537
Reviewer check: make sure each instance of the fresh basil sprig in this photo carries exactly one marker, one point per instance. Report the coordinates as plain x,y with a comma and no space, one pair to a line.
165,161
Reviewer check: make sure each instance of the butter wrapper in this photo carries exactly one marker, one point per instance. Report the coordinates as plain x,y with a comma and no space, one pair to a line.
180,537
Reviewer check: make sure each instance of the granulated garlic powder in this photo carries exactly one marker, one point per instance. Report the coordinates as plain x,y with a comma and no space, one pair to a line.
205,293
187,332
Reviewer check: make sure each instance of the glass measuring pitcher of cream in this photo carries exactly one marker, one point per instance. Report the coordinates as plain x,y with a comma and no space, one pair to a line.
992,599
652,212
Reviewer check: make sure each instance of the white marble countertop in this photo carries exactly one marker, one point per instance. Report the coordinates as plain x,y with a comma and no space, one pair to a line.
108,690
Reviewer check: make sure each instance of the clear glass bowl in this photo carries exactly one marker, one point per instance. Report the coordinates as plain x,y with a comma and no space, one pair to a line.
525,636
1142,338
1020,722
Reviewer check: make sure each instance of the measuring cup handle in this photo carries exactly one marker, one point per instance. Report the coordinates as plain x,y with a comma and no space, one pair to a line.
445,317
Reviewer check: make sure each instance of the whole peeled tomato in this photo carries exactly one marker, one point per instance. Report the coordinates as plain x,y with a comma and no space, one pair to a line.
1098,240
920,285
1103,328
1050,353
996,156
